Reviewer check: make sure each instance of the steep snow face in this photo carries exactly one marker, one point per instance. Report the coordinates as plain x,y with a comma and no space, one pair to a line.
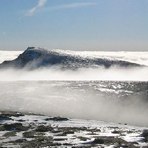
38,57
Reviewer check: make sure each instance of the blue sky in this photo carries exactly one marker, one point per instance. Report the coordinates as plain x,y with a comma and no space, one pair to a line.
74,24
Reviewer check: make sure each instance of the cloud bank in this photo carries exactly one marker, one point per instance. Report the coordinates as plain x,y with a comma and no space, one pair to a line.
83,74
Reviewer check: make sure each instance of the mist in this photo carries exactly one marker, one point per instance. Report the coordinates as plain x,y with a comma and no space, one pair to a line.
57,92
58,99
83,74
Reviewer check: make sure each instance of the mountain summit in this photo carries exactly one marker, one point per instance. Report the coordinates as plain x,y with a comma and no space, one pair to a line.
39,57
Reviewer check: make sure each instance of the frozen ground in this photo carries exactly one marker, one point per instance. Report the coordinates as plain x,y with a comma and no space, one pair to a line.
28,131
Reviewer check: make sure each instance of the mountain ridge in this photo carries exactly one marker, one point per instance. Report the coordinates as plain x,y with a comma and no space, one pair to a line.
33,58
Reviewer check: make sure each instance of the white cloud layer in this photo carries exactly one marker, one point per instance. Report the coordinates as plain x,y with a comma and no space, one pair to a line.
40,4
73,5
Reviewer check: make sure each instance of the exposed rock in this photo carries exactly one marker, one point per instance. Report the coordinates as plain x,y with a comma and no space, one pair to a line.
29,134
145,134
98,141
2,127
115,132
38,142
4,117
20,141
10,134
11,114
15,127
43,128
56,119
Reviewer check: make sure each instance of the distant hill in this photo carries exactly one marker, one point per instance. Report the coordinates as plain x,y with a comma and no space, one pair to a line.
33,58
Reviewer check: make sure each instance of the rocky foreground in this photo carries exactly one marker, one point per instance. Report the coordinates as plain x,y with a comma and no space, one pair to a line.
20,130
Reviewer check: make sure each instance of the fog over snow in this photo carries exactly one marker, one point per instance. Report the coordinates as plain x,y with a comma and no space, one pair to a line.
57,92
101,73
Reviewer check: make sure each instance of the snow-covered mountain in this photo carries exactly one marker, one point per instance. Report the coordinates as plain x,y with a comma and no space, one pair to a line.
38,57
